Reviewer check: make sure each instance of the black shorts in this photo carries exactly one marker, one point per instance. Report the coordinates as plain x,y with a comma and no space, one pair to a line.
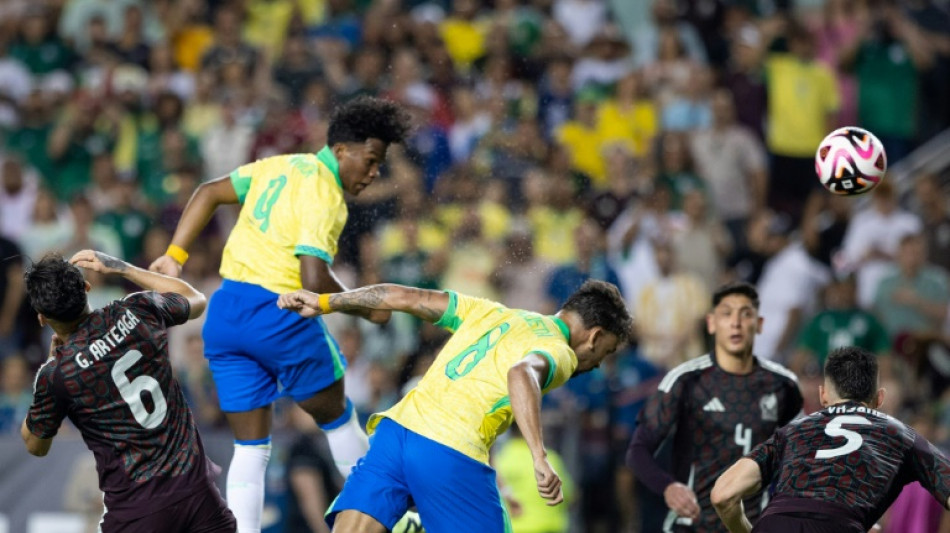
203,512
803,523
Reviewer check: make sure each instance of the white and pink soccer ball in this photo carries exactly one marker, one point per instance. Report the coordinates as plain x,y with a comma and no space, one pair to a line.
850,161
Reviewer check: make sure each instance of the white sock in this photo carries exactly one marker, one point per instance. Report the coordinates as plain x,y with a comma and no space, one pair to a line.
348,441
245,490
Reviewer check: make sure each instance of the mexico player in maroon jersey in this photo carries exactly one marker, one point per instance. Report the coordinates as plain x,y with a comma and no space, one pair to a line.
109,373
714,408
836,470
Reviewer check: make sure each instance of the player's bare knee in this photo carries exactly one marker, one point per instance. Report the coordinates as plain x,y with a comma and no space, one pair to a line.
325,406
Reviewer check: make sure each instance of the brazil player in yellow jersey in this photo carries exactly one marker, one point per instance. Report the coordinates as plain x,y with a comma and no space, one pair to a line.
432,447
292,213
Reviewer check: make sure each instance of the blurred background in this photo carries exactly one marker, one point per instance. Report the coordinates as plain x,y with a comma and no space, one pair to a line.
664,145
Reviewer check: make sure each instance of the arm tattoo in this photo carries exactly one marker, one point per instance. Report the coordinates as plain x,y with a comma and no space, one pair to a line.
366,298
422,309
112,262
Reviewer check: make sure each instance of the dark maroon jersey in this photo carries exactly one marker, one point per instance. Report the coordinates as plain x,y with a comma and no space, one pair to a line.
713,418
848,461
114,381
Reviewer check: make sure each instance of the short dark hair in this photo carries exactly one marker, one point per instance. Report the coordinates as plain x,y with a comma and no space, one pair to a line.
853,372
56,288
736,287
365,118
600,303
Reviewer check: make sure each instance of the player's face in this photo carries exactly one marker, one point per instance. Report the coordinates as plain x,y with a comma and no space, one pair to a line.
359,163
734,324
592,352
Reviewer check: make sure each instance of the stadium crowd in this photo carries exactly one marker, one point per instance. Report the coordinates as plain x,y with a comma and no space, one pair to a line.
665,146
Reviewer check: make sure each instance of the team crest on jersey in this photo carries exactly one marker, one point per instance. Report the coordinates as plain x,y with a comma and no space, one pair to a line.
769,406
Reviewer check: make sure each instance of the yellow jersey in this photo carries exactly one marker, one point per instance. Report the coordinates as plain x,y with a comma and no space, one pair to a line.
462,401
292,205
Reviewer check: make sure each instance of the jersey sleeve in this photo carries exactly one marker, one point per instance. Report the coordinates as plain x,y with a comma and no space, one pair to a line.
242,177
461,307
930,467
793,403
47,410
561,365
172,309
767,455
318,206
656,421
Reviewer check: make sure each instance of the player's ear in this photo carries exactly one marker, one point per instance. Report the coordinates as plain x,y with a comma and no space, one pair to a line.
879,398
41,319
710,325
87,285
339,150
822,396
758,327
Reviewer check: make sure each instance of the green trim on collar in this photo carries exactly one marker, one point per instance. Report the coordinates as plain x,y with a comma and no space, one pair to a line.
563,327
326,157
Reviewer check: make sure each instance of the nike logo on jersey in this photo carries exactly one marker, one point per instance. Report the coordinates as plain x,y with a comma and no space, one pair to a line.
714,406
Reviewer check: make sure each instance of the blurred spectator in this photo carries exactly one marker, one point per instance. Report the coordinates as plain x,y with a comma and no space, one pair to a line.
676,169
228,50
604,61
513,462
464,35
87,233
732,163
130,47
49,228
670,311
591,263
192,372
825,224
297,67
471,260
554,220
126,218
555,95
932,204
227,144
873,237
268,22
647,43
18,191
842,23
840,323
788,291
628,118
581,138
887,57
520,276
582,19
914,298
38,46
470,125
81,133
77,14
312,479
13,291
803,105
16,392
701,244
165,74
745,79
687,107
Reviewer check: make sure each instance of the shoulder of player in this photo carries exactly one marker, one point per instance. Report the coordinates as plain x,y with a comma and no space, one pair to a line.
779,370
684,370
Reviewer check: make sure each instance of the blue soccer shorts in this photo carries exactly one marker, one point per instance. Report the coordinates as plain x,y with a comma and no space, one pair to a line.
452,492
258,352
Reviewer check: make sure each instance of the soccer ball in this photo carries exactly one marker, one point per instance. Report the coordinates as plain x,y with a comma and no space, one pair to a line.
850,161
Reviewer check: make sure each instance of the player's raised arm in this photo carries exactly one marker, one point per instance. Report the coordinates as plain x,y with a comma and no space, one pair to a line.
153,281
206,198
425,304
316,276
742,479
524,390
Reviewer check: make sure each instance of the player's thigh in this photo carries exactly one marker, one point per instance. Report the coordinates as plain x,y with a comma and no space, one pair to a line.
453,492
376,487
310,364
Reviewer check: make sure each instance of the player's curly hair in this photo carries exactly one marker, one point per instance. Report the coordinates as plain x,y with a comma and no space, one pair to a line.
56,288
365,118
600,303
853,372
736,287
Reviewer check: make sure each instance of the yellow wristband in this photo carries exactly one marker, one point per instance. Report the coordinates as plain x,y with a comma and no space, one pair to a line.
177,253
323,301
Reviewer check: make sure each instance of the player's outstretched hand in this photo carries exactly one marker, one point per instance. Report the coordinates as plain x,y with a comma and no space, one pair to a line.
549,484
681,500
302,302
166,265
98,262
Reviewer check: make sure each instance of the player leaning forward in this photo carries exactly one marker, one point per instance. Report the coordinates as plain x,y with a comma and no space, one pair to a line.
109,372
285,238
715,408
836,470
432,447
